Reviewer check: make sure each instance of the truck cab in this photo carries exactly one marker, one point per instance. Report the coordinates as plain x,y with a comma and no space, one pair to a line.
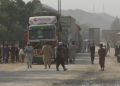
42,30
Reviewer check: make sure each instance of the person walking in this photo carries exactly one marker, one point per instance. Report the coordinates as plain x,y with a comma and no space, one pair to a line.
47,54
6,53
83,46
89,45
73,52
0,55
22,55
2,52
101,53
12,52
59,60
92,49
108,47
17,54
116,50
106,51
66,53
10,59
29,55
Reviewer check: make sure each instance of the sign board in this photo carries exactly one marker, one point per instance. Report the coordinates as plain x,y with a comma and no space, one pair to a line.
66,19
42,20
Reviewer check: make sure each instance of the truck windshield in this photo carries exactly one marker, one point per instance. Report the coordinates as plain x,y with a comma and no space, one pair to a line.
41,34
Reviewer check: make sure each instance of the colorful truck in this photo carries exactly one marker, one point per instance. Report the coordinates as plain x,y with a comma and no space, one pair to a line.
42,29
70,28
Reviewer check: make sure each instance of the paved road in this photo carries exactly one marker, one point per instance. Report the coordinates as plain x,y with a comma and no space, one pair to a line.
82,73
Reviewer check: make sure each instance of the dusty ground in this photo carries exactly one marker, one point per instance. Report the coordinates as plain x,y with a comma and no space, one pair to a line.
82,73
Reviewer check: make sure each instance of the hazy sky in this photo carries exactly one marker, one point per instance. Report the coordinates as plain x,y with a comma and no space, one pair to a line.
112,7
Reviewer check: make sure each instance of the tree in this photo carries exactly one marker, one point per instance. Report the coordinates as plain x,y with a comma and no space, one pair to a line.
25,10
3,32
5,19
115,25
17,10
17,32
14,15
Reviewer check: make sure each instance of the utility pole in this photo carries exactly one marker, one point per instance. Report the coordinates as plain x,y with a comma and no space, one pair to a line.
59,7
59,24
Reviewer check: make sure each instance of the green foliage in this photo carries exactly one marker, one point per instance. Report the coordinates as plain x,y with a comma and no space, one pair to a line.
4,19
17,31
3,31
14,15
115,25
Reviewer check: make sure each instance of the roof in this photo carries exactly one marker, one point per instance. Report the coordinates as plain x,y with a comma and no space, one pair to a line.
44,26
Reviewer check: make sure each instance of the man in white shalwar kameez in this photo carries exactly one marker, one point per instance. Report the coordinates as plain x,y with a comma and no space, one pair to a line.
29,55
73,52
47,55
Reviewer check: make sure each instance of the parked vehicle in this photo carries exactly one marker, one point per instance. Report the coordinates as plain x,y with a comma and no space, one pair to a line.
42,29
94,35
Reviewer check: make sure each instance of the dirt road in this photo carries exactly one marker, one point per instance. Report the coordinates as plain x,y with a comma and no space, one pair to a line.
82,73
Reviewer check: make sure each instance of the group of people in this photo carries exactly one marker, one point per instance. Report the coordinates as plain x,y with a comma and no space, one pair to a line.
86,46
62,55
101,53
11,54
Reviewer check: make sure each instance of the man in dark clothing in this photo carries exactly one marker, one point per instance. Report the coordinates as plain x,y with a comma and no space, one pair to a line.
59,59
66,53
12,52
0,56
16,53
6,53
92,49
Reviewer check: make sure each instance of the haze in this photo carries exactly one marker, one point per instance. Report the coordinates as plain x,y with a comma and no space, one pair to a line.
111,6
